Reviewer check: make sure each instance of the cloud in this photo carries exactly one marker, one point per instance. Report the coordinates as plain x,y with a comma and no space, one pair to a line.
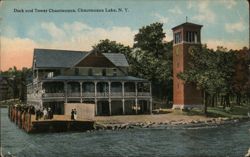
80,36
229,4
190,4
53,30
9,31
175,10
213,43
205,14
69,36
76,26
16,51
235,27
160,18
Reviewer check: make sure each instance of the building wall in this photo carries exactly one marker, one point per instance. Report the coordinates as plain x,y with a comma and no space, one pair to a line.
85,111
184,94
178,86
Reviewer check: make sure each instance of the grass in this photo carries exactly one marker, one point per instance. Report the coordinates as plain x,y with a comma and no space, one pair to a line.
235,111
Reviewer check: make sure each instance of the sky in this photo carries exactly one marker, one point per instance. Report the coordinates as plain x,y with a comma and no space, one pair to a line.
225,23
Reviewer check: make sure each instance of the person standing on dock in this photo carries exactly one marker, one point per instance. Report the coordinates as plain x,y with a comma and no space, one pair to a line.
45,113
72,114
75,114
49,113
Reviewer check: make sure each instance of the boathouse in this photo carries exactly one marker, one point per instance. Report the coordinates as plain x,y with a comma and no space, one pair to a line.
94,83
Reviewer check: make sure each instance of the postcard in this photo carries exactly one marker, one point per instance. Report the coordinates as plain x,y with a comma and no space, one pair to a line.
124,78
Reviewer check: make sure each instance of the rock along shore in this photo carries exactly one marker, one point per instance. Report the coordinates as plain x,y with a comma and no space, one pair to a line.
193,123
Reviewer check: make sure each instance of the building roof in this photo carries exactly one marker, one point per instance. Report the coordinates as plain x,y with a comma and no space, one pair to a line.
117,59
50,58
99,78
187,24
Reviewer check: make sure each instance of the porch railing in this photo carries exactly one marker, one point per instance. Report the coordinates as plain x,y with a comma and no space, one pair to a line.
53,94
116,94
88,94
92,94
129,94
102,94
75,94
143,94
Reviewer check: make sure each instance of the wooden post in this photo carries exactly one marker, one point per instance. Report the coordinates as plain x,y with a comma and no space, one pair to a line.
66,91
123,100
110,111
136,100
95,98
81,92
151,105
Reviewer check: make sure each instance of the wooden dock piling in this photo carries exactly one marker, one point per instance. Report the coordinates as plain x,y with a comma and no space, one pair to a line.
25,120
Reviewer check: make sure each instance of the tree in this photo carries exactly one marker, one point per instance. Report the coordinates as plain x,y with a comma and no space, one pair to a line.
241,80
153,57
107,46
17,81
210,71
150,39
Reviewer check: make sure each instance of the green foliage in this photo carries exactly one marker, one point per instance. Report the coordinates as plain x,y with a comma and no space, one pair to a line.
17,81
150,39
211,71
107,46
150,57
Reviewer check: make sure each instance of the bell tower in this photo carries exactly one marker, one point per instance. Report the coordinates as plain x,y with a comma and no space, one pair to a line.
185,35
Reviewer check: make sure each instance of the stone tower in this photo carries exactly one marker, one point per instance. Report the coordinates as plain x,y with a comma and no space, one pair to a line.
185,35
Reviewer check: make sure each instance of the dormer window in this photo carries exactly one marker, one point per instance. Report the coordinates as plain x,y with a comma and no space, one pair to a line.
103,72
76,71
90,72
114,72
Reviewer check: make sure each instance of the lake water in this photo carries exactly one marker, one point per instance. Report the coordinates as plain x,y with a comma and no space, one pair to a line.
227,140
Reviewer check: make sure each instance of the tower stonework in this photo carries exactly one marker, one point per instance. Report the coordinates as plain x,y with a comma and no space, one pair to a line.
185,36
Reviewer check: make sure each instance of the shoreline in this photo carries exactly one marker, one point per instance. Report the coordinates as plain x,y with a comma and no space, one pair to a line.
110,125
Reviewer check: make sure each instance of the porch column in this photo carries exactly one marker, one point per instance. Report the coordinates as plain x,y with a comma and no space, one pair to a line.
66,91
95,97
81,91
110,111
123,105
136,100
150,91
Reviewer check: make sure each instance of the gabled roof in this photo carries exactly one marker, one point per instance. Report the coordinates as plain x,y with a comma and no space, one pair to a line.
49,58
117,59
187,24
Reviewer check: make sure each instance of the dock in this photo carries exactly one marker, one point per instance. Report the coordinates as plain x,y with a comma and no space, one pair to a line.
24,118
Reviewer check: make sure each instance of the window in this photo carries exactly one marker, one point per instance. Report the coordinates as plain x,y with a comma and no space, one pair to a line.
177,37
191,37
90,72
76,71
103,72
114,72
